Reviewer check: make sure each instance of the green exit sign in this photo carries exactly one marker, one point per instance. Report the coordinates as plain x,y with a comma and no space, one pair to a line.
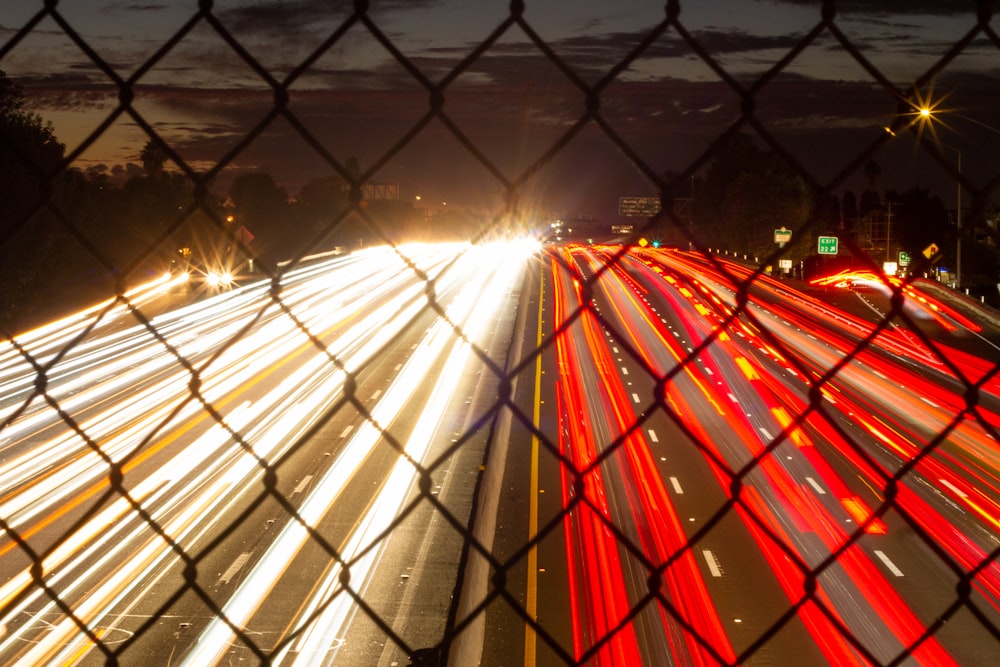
828,245
904,258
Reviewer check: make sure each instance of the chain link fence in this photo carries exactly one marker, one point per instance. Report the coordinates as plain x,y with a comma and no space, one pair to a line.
45,181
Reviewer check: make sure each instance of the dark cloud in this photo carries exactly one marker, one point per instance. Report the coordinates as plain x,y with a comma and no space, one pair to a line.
283,18
895,7
134,7
592,56
290,17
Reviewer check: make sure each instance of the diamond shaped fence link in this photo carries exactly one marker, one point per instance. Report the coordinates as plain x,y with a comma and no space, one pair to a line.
505,372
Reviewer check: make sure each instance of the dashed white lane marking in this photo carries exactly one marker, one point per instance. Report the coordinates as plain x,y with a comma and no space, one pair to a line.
712,562
889,564
674,482
929,402
814,484
766,433
635,397
240,561
378,392
652,435
303,484
347,430
954,489
624,371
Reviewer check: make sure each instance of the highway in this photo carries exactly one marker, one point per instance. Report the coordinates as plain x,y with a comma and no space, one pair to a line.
246,461
722,473
680,471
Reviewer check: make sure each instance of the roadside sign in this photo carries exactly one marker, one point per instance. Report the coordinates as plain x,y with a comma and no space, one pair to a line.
244,235
904,258
782,235
828,245
638,207
785,264
930,251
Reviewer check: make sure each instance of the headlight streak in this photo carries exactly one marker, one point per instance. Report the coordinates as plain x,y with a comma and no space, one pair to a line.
49,338
159,491
117,429
472,310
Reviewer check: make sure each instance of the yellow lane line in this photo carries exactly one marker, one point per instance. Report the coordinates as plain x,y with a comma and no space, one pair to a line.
531,595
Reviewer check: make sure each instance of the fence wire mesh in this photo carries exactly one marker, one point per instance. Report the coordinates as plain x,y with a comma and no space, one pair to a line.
45,210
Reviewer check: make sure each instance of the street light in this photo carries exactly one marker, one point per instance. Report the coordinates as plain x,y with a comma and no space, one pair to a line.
925,114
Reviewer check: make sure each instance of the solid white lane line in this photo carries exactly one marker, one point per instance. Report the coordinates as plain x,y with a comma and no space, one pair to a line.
889,564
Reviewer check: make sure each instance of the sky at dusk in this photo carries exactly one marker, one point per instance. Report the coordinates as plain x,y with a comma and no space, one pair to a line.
511,102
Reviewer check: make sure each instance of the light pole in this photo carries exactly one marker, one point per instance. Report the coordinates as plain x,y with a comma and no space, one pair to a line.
958,221
926,113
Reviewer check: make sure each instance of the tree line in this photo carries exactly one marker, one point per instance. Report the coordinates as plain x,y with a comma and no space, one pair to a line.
70,238
748,192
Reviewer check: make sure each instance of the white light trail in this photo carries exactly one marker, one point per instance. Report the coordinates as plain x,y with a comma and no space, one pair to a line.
122,393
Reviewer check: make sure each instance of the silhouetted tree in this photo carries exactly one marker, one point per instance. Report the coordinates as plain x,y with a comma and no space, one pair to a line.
873,170
29,157
29,152
262,206
153,158
747,194
849,210
322,200
868,205
919,219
